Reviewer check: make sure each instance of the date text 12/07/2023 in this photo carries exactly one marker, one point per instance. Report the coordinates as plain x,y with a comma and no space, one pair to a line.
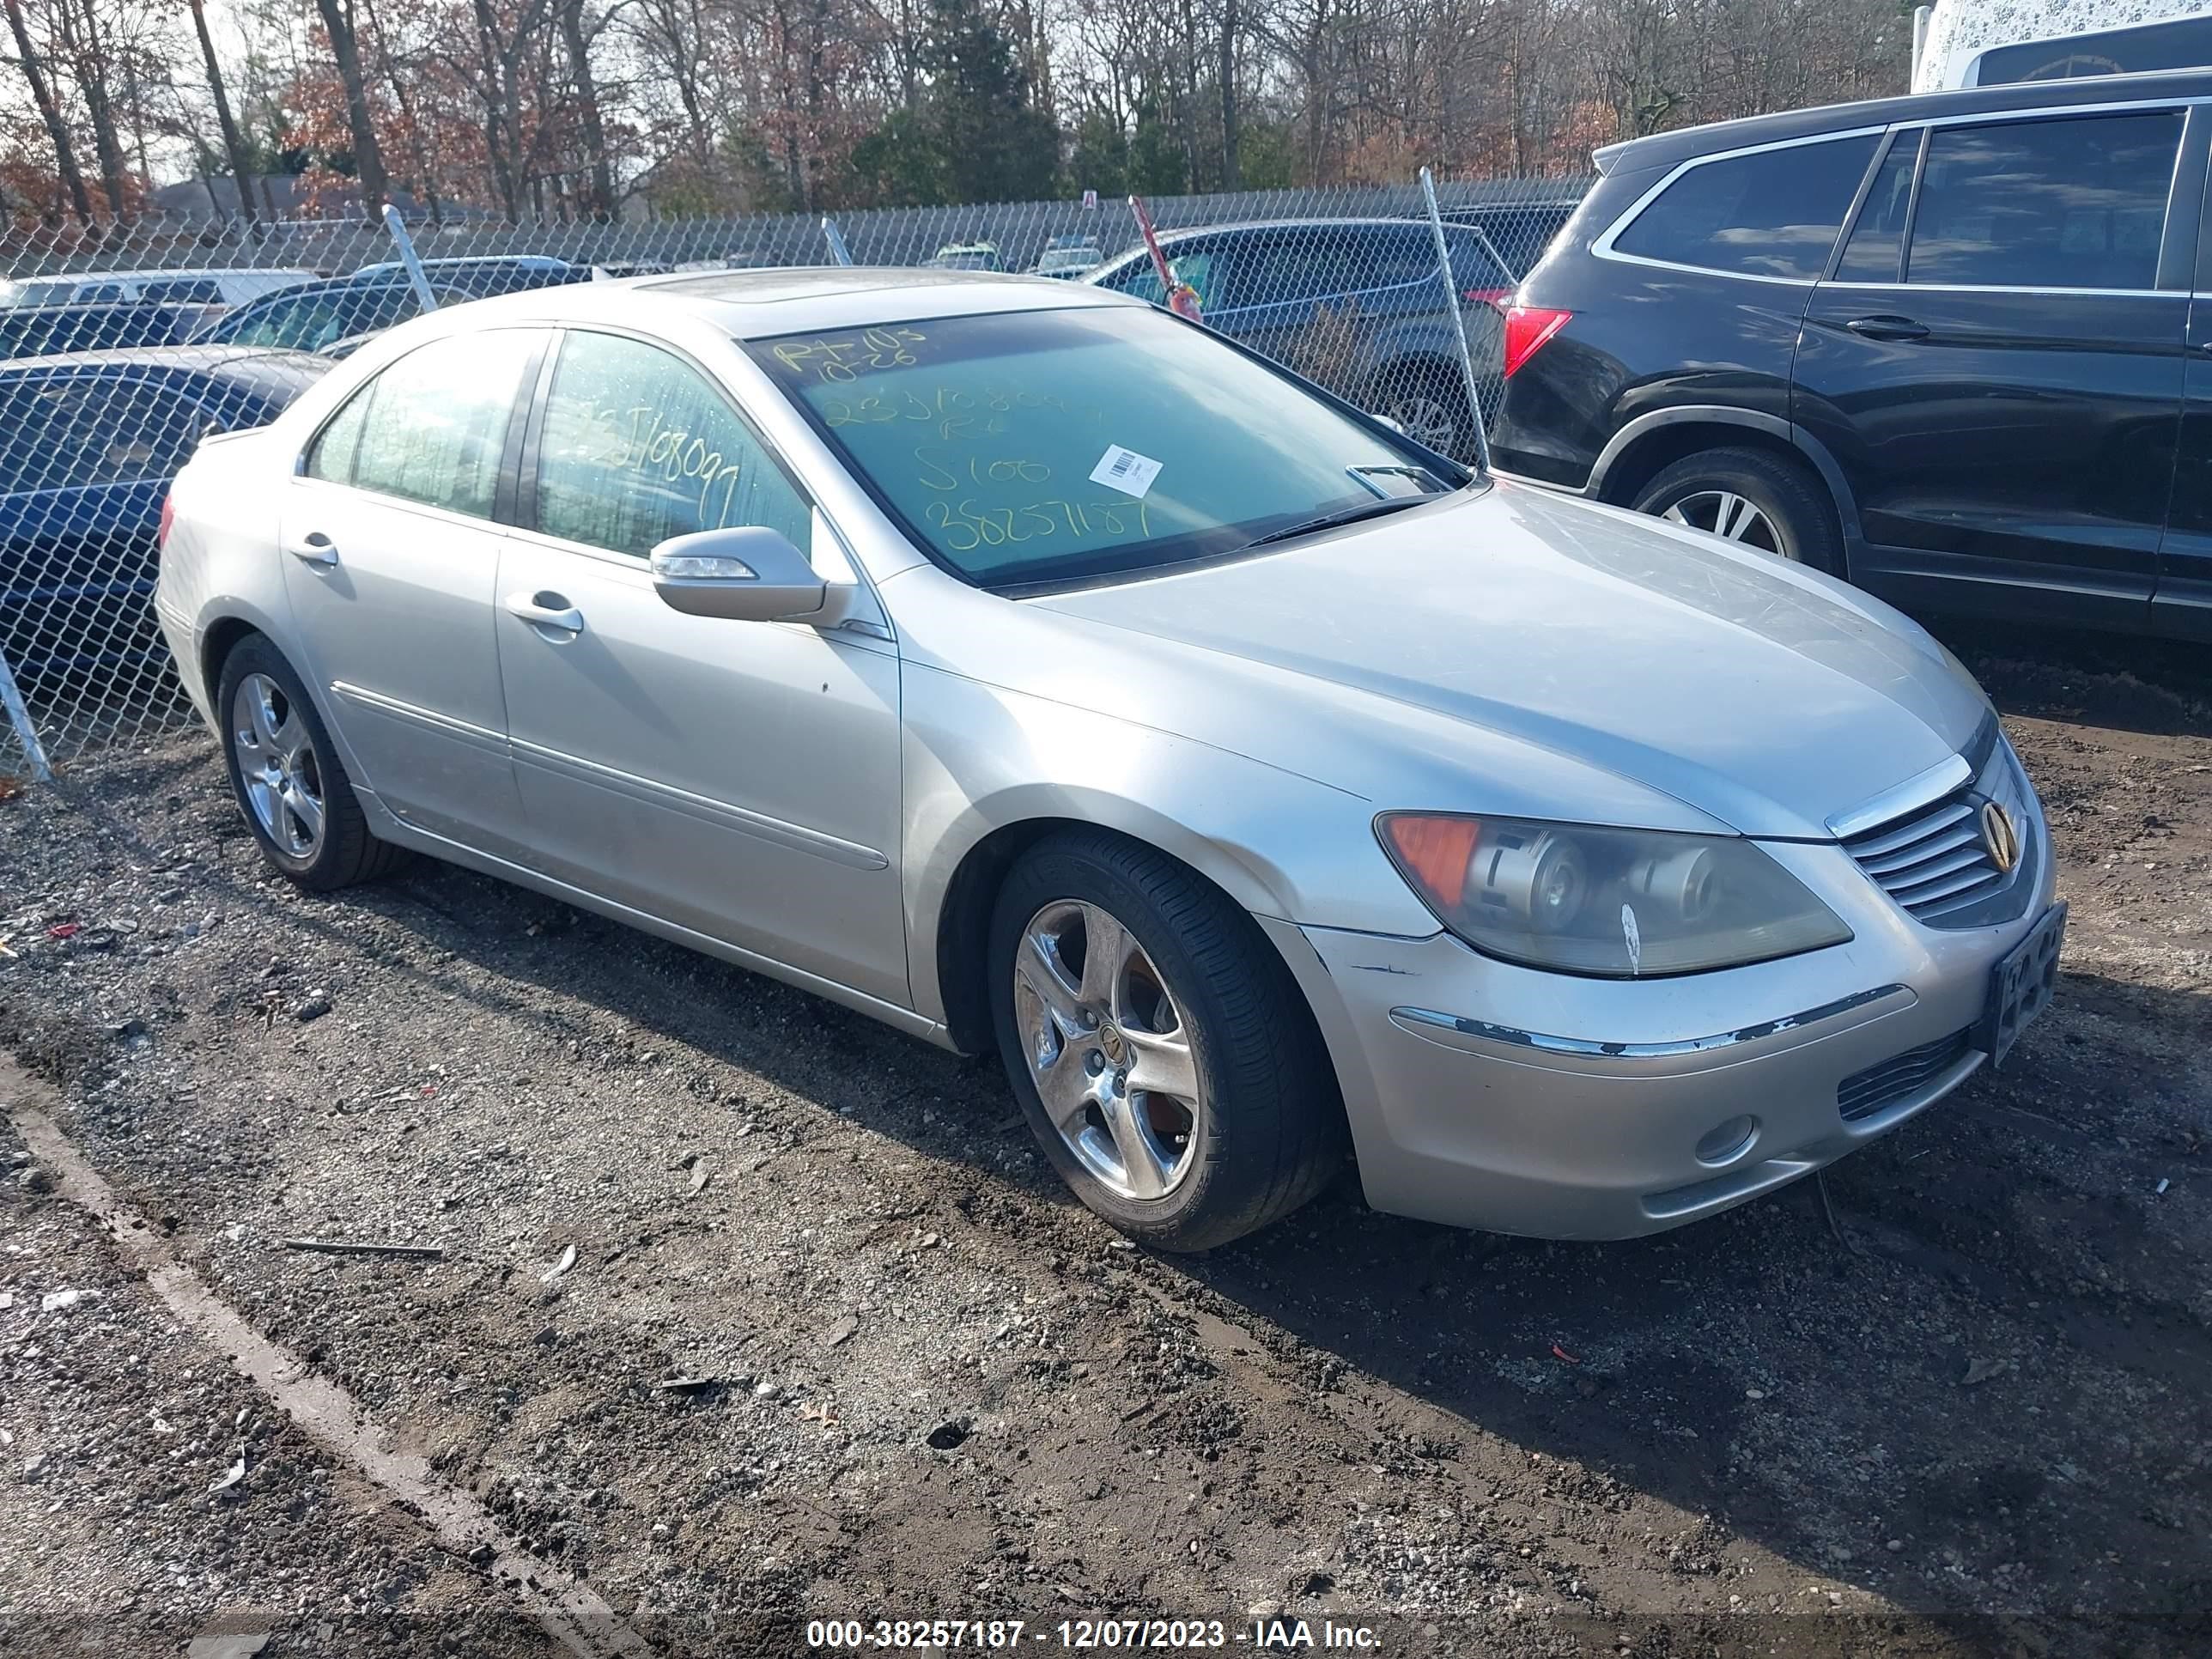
1276,1635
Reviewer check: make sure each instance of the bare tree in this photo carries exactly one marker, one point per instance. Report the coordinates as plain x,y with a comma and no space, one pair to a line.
57,133
368,154
233,145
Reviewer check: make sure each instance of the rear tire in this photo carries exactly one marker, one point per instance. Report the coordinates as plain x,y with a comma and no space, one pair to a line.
1112,965
287,778
1763,501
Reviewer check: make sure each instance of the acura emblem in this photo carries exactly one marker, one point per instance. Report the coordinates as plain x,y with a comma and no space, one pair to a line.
1999,836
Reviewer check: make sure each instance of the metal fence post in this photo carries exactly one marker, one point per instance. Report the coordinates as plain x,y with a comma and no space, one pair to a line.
1458,322
830,235
408,256
35,752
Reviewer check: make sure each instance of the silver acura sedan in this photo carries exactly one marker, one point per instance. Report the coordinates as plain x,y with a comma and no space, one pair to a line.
1027,667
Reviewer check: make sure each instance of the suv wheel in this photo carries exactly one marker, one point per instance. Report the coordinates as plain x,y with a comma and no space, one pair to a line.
1431,408
1157,1046
1763,501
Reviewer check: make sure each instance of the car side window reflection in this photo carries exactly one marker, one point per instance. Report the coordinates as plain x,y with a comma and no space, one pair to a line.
639,446
431,428
82,432
2077,202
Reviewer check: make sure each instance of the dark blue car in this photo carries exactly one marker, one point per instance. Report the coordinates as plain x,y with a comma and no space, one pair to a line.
88,446
310,316
45,330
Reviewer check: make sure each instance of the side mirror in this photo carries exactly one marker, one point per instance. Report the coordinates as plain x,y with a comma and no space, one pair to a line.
749,574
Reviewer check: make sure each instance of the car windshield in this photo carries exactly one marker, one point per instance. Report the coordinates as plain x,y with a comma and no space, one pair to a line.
1053,447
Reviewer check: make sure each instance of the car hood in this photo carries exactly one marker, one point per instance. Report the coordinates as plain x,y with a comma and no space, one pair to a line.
1440,648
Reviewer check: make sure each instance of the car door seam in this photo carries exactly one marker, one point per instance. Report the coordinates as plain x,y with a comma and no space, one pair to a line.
445,724
720,814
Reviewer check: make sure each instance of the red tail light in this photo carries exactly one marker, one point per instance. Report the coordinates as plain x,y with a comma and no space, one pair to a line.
1488,296
169,518
1526,328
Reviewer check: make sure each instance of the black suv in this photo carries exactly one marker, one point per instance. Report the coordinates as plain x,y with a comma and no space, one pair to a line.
1353,304
1944,345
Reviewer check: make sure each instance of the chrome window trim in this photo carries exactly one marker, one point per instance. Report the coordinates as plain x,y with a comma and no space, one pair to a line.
1407,1018
1602,246
2004,288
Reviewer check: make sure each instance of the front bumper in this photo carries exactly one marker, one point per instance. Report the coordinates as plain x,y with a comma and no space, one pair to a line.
1488,1095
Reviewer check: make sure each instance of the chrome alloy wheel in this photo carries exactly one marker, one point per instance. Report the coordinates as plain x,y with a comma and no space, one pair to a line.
1725,514
1426,420
1109,1049
277,765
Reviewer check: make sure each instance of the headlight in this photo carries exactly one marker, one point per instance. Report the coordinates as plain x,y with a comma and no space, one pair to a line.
1618,903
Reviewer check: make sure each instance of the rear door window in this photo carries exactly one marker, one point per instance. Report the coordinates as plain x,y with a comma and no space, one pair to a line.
1770,213
75,432
431,428
191,290
1875,253
2066,203
1291,264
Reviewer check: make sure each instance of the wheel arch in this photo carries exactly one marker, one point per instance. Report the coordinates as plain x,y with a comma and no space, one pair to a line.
954,937
223,637
1646,446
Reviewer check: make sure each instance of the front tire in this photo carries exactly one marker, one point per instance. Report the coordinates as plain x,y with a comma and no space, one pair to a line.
287,778
1767,502
1158,1048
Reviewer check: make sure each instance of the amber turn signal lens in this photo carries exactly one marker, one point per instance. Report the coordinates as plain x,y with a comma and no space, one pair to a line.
1435,852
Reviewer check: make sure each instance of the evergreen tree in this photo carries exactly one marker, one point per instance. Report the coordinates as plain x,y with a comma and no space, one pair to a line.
977,135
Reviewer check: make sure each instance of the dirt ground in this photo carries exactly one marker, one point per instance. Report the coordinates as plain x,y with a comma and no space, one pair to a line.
1962,1411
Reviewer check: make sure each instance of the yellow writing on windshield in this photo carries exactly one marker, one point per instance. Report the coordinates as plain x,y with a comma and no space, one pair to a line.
948,473
965,525
848,357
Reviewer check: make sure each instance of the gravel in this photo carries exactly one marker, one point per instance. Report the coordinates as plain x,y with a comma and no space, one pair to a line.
914,1379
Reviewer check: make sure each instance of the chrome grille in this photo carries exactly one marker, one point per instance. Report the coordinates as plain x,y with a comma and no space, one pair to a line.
1934,860
1876,1089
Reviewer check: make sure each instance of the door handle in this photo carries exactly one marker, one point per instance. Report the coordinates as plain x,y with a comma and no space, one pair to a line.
1887,328
546,610
314,548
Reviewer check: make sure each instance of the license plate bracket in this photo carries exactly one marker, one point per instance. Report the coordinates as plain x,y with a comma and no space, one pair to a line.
2021,985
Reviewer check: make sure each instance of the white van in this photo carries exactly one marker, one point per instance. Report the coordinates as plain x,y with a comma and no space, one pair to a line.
1986,43
205,288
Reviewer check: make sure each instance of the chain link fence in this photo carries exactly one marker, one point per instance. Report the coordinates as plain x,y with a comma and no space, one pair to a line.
119,351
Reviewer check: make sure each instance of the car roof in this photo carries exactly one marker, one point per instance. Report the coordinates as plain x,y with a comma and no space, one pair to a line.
103,308
155,273
253,367
1666,149
1338,223
789,299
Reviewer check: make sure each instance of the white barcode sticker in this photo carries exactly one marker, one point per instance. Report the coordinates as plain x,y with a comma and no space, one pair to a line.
1125,470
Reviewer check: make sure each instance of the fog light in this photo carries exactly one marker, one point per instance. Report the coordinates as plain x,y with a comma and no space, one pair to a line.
1724,1143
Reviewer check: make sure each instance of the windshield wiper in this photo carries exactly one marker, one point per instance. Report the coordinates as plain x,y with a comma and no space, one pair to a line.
1343,515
